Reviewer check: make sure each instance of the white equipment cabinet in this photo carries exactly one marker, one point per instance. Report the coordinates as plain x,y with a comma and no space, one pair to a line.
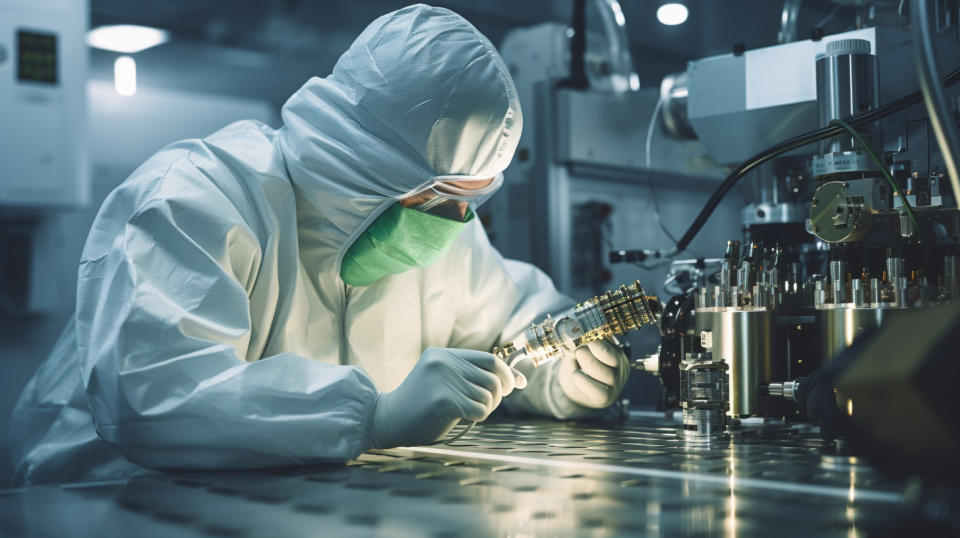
43,68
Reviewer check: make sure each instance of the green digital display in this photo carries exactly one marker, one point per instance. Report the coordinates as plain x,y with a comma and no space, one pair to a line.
36,57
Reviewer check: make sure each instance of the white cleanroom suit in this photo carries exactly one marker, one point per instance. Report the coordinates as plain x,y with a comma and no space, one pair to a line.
212,329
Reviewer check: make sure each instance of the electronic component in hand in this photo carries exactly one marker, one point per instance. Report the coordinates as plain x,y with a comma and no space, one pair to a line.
612,313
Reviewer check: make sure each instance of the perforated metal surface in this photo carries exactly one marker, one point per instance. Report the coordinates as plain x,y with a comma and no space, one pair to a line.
518,478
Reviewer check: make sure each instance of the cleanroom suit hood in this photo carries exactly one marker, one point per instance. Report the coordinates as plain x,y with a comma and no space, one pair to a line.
421,95
212,329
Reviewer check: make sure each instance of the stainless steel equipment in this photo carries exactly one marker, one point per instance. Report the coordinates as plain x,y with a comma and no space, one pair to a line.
742,338
787,389
847,84
843,211
767,326
830,248
843,324
704,386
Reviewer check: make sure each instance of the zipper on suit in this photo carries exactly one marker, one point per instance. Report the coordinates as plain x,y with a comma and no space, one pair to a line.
344,298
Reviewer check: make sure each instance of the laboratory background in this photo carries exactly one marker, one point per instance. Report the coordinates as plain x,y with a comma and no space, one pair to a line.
758,198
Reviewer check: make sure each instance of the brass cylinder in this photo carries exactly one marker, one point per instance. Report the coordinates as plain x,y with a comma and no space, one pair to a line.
841,326
744,340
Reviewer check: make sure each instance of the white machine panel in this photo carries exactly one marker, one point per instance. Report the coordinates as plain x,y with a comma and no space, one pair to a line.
43,66
738,105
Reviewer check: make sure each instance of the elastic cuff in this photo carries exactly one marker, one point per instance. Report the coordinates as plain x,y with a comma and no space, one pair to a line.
370,439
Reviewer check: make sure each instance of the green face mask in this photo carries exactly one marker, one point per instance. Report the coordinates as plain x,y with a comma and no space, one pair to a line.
399,240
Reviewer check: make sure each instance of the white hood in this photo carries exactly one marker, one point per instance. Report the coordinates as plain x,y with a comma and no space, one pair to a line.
419,94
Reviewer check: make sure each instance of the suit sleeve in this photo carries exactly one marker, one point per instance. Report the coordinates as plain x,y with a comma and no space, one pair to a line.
163,330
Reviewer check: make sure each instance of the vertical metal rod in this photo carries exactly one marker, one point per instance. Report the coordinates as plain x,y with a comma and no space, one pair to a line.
940,114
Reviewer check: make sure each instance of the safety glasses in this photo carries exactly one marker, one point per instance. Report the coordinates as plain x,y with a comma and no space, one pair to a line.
441,193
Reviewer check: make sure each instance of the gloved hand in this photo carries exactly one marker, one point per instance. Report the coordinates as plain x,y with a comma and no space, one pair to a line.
593,375
445,386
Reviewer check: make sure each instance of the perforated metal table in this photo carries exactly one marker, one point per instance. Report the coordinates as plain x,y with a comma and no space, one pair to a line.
506,478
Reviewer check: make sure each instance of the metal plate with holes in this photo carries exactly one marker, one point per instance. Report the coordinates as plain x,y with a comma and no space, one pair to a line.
507,478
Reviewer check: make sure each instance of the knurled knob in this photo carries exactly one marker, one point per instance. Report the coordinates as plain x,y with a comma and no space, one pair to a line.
848,46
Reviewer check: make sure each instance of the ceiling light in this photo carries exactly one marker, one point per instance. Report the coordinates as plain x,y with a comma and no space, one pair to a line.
672,13
126,38
125,75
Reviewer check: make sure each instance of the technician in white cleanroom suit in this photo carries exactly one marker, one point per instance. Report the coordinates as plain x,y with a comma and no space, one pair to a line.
216,324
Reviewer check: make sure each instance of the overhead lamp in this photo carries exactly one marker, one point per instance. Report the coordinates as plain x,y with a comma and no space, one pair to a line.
126,38
672,13
125,76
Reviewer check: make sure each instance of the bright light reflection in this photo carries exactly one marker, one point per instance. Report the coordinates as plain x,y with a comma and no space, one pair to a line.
126,38
125,76
618,13
672,14
851,512
731,522
853,480
653,518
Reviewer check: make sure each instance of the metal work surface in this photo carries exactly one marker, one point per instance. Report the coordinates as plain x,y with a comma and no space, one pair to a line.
505,478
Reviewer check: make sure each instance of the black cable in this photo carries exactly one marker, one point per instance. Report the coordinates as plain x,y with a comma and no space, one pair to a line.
943,124
651,128
578,49
656,210
792,144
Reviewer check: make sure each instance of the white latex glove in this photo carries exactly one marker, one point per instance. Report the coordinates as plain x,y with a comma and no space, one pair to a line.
593,375
444,387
